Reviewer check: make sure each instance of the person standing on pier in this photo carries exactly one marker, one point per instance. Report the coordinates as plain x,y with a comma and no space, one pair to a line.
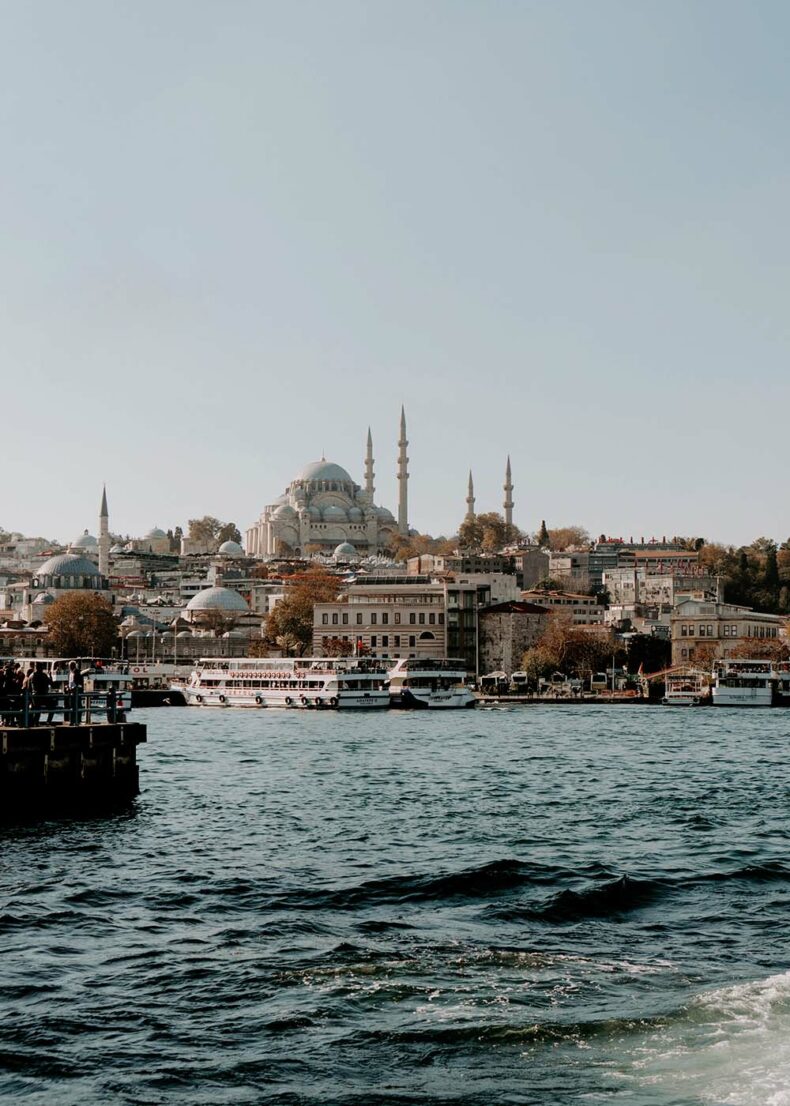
38,685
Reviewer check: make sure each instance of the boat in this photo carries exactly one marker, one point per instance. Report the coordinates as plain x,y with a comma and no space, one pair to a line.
685,689
298,682
430,684
744,683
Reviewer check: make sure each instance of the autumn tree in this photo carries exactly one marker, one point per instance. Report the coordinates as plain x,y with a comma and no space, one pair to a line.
210,531
82,624
290,625
487,532
564,647
567,537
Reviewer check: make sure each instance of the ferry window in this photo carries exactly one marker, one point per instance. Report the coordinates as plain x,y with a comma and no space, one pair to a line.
373,619
345,620
325,619
385,619
412,618
412,641
334,619
397,618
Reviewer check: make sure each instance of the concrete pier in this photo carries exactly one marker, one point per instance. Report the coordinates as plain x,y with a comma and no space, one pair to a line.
79,768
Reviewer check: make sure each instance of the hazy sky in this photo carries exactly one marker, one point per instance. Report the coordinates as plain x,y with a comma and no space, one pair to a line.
233,234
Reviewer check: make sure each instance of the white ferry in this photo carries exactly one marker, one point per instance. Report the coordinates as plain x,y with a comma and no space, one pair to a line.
744,683
686,689
431,684
297,682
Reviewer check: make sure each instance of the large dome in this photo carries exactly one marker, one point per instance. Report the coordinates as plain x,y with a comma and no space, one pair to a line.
217,599
324,470
333,513
68,564
231,549
155,533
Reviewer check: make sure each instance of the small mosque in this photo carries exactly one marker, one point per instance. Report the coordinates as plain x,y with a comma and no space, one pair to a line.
323,508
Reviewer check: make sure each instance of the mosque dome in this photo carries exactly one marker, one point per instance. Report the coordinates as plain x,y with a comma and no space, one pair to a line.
231,549
355,514
324,470
217,599
117,549
68,564
385,515
155,534
284,511
182,635
44,599
333,513
314,512
344,550
84,541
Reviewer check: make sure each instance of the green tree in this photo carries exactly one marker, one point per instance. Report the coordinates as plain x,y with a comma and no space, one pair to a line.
82,624
487,532
543,535
229,532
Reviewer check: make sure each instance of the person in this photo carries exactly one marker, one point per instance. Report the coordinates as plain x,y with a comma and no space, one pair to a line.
38,685
75,685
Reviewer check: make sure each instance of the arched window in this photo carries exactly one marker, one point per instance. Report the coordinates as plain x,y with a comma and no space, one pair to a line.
426,635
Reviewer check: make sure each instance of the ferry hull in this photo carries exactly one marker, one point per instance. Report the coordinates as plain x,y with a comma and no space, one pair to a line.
742,697
343,700
456,699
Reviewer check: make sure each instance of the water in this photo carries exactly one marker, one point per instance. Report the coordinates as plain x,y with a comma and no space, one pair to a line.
546,905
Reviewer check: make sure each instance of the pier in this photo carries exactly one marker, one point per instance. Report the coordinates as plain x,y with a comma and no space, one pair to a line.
83,760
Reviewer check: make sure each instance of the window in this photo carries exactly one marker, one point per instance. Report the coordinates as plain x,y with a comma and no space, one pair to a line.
684,633
397,641
426,635
412,641
710,631
359,620
422,618
324,619
412,618
441,619
385,639
334,619
345,619
373,619
397,618
385,618
431,619
372,641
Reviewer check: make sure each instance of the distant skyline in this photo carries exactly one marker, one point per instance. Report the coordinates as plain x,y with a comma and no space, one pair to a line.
236,234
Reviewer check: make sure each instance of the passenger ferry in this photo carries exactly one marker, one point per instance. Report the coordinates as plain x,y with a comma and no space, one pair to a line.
744,683
298,682
430,684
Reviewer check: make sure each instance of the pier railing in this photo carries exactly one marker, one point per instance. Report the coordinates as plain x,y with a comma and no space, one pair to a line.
73,708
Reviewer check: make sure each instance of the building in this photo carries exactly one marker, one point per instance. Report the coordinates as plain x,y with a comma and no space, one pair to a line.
323,508
507,630
386,620
703,630
582,610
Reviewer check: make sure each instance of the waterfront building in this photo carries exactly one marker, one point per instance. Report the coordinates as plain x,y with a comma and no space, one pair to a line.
507,630
704,630
389,620
323,508
582,610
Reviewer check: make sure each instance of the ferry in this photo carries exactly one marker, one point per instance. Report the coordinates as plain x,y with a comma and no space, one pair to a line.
685,689
430,684
297,682
744,683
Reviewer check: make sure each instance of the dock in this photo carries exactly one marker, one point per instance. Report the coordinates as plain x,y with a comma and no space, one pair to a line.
83,761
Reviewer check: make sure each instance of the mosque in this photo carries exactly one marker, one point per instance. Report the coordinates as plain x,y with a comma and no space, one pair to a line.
323,508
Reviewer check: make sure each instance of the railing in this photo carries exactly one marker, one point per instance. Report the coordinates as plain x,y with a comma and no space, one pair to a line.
70,707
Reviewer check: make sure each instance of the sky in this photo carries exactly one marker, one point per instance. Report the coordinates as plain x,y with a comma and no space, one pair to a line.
235,234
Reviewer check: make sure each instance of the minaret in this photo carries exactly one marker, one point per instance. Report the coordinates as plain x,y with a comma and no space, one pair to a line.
369,488
104,535
508,504
403,478
470,499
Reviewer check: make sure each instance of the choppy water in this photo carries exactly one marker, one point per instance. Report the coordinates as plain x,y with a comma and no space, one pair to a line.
542,905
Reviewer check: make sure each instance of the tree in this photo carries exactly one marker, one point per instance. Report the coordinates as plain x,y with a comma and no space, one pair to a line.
82,624
488,532
210,531
290,624
229,532
564,537
543,535
564,647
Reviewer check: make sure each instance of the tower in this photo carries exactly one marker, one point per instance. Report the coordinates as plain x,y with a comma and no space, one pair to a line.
104,535
508,504
403,478
369,488
470,499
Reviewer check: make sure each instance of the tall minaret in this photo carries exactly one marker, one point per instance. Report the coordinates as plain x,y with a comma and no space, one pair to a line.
104,535
369,488
508,504
403,478
470,499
